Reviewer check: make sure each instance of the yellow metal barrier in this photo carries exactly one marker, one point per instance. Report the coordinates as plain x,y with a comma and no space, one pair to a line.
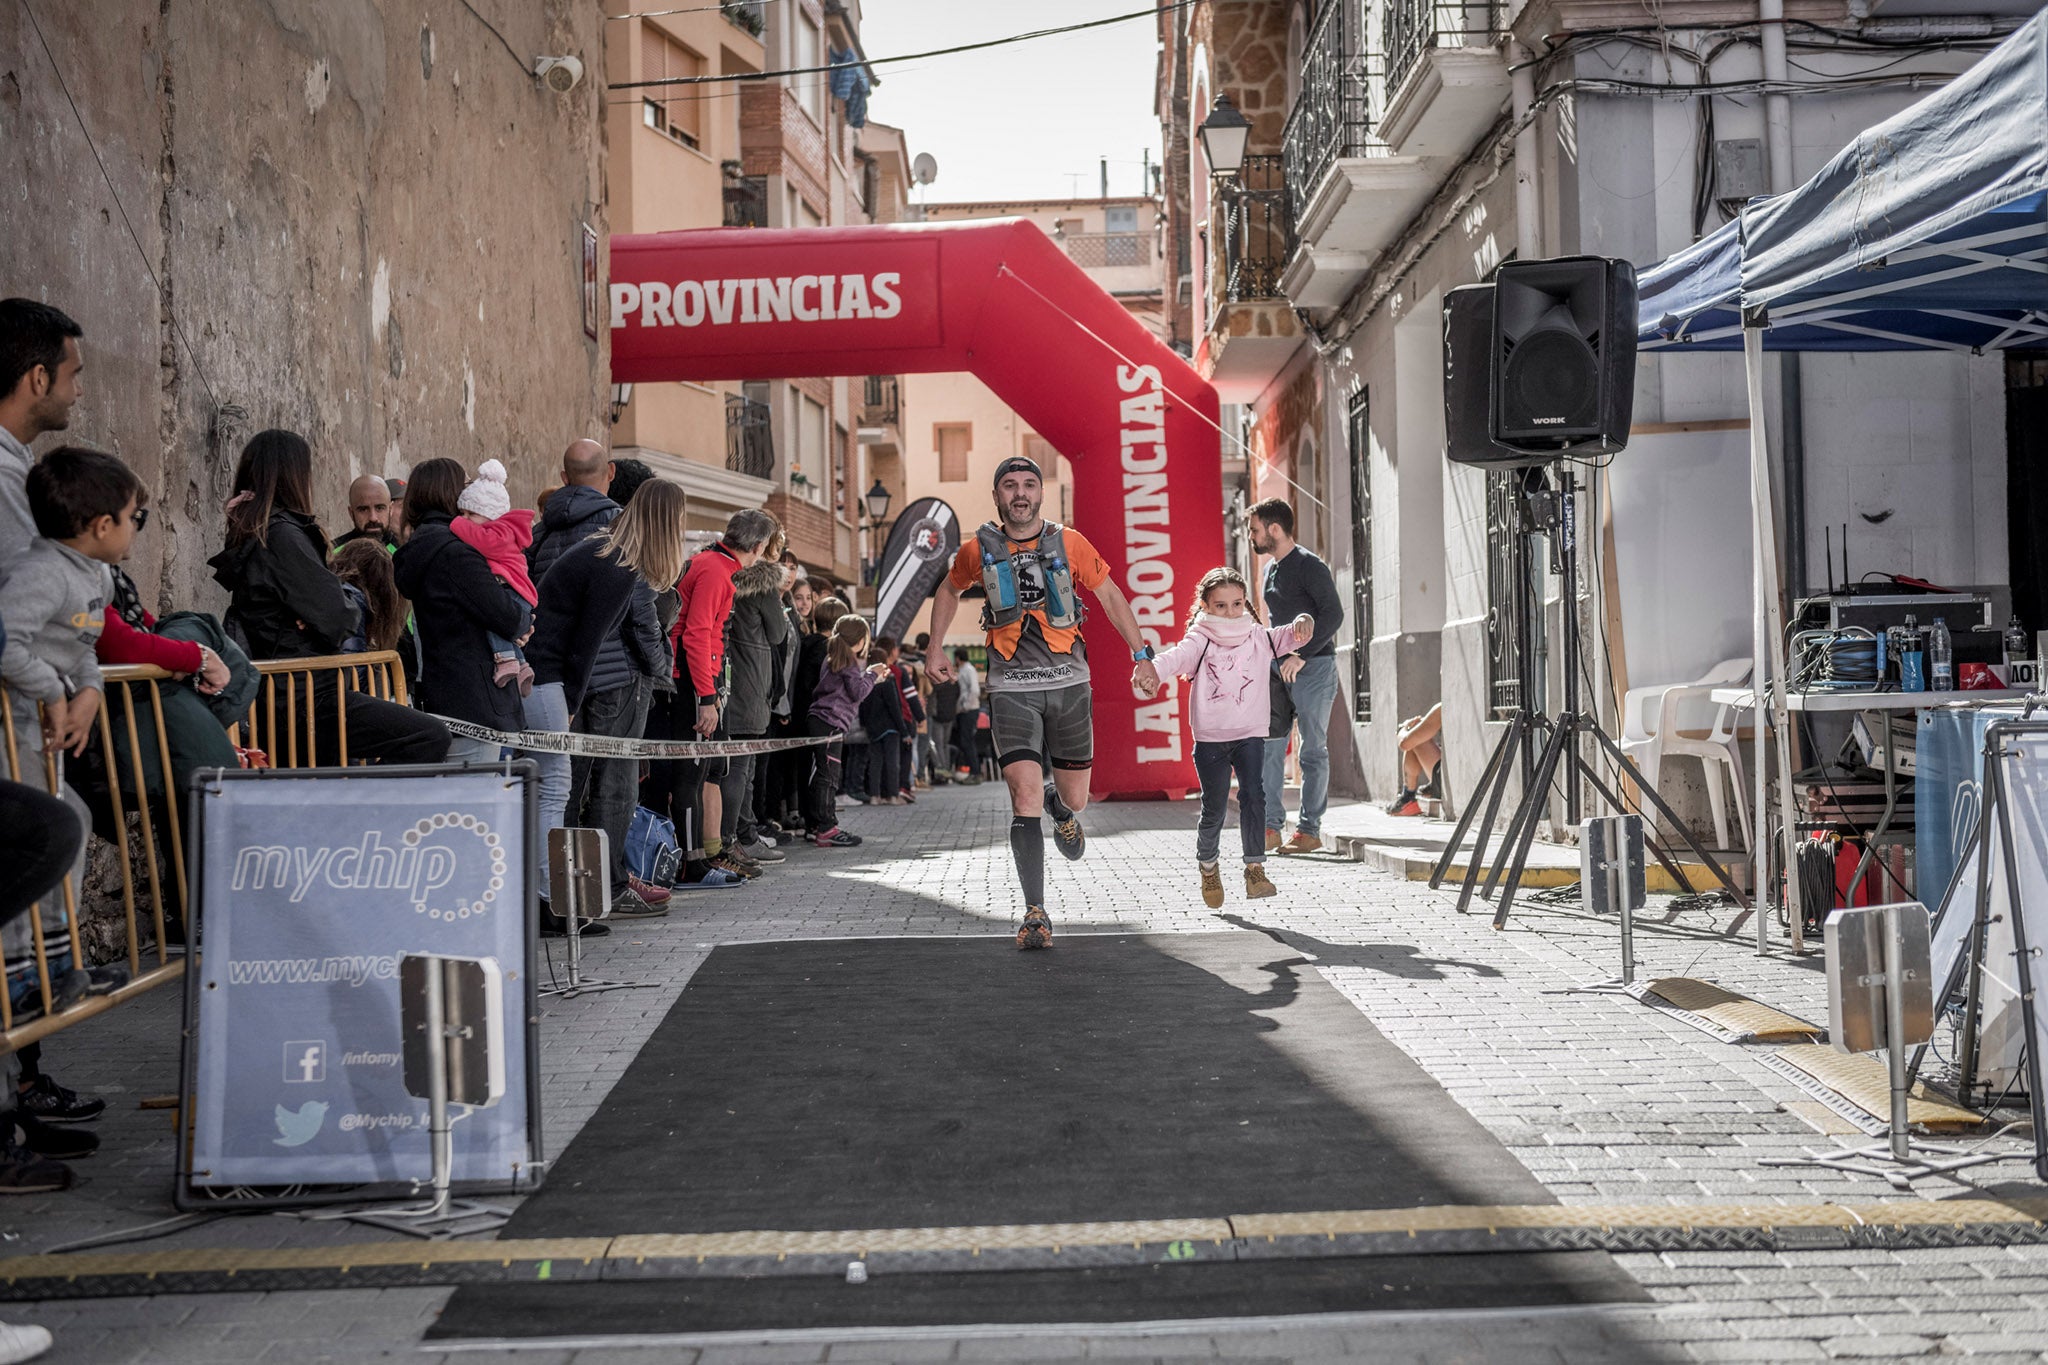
281,721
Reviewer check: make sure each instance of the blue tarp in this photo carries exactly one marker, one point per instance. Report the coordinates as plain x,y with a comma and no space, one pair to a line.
1928,231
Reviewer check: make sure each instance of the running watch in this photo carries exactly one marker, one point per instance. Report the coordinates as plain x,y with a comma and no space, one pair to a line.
1143,655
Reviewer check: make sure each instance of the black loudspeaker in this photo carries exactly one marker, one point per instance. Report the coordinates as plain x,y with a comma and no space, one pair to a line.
1563,355
1468,381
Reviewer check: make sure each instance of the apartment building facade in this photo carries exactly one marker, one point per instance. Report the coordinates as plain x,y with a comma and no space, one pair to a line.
791,151
1400,148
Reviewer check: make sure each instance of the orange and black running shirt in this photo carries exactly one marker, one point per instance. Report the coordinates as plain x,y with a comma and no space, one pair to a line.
1028,655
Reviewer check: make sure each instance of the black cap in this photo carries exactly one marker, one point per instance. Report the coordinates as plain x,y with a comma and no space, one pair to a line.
1017,464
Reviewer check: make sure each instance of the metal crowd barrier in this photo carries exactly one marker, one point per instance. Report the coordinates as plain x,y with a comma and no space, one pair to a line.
281,721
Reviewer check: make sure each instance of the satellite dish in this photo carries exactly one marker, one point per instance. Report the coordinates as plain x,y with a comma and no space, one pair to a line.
924,168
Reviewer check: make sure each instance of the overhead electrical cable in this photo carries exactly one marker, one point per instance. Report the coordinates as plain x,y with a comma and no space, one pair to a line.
909,56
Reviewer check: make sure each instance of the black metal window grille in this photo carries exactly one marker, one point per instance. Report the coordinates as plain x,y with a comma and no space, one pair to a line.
1358,436
1258,230
746,200
749,441
1414,27
1332,116
880,403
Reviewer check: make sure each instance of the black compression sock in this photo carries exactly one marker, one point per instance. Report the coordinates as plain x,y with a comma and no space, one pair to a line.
1027,844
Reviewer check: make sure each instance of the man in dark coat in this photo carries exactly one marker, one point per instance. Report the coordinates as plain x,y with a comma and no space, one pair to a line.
603,791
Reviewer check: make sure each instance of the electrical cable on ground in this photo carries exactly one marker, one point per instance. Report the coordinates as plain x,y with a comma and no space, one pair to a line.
147,1232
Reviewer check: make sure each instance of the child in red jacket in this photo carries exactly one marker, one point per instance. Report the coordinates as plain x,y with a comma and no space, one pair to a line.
490,527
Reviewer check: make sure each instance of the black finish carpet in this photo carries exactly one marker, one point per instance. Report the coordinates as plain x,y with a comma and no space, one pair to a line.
943,1082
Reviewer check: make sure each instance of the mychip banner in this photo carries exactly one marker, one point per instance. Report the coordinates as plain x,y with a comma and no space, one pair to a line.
310,886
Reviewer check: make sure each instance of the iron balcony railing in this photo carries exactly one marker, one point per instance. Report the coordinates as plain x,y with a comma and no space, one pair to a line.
1258,230
746,200
749,443
880,402
1414,27
1105,250
1332,117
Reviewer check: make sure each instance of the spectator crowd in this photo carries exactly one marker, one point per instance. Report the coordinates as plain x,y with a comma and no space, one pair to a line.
585,616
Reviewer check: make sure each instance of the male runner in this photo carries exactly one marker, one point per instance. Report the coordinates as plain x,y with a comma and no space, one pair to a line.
1039,707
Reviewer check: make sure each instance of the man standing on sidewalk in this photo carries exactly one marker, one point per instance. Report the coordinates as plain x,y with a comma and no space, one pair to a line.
1304,685
967,721
603,791
1042,707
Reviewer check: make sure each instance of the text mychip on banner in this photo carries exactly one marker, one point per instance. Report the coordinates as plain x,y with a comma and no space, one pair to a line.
310,887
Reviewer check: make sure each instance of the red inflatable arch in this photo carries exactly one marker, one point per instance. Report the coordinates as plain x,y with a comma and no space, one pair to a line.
1001,301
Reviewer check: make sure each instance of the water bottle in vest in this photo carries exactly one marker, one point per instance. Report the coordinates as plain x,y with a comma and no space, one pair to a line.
1056,607
1005,578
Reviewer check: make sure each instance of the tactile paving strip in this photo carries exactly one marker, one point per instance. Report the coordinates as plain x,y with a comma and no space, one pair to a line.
1894,1225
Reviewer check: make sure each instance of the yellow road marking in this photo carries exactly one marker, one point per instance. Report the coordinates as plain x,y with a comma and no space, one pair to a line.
2027,1213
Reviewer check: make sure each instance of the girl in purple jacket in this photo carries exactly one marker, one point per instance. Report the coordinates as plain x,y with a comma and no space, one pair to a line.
835,708
1228,656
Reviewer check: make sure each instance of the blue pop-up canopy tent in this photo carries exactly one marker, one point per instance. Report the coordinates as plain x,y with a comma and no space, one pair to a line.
1928,232
1977,287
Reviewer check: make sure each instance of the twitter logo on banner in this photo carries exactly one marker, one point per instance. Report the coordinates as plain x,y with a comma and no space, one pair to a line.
297,1127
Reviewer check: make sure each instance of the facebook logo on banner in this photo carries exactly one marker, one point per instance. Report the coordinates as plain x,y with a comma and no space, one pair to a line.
305,1062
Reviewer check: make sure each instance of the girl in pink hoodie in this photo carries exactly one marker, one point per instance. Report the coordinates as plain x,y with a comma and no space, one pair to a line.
1228,656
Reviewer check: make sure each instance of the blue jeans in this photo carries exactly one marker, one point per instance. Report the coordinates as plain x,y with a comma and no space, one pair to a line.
462,749
1309,697
1214,762
547,708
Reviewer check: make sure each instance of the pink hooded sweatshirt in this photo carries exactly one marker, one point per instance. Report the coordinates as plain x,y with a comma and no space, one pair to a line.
1229,661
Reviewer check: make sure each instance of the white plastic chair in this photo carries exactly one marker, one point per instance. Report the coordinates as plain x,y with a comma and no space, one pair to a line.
1650,734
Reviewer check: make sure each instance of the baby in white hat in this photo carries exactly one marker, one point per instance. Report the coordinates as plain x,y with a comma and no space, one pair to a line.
501,535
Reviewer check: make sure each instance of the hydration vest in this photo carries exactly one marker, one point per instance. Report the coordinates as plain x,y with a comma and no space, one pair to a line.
1005,606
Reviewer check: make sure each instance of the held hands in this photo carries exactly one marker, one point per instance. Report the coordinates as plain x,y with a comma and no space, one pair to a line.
939,669
1145,679
1304,626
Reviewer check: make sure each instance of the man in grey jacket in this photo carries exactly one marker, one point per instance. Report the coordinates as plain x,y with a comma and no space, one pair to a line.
39,383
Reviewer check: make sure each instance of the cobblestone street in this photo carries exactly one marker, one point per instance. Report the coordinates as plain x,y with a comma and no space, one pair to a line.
1605,1100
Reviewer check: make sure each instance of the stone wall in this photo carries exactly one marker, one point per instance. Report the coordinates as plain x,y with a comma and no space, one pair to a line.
366,219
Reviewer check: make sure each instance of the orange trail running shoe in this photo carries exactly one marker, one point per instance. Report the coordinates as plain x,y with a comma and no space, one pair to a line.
1036,931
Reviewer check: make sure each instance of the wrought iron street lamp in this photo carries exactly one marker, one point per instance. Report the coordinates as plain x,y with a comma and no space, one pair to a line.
877,499
1224,134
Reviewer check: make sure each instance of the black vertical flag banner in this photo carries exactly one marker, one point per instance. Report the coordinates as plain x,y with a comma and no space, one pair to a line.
921,548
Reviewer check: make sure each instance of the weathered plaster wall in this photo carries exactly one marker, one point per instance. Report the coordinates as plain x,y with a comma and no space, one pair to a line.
365,217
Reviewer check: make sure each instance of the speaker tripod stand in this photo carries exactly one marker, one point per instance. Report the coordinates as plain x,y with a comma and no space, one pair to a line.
1562,736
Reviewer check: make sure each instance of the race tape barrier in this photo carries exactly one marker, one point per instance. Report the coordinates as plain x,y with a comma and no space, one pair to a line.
610,746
